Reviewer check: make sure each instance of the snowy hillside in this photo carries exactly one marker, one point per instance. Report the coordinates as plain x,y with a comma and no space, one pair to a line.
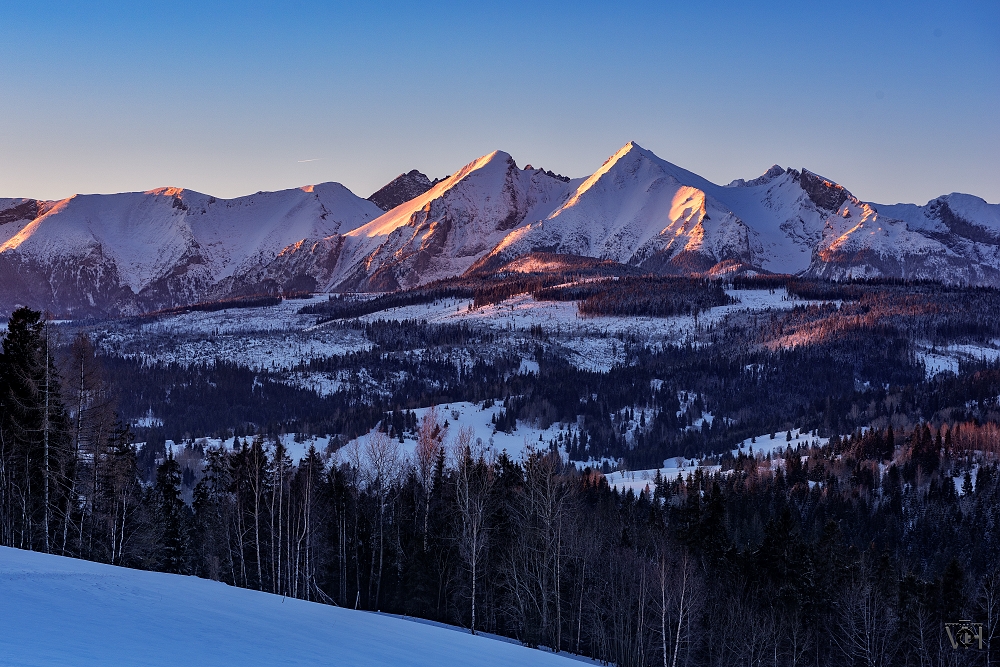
760,447
481,420
59,611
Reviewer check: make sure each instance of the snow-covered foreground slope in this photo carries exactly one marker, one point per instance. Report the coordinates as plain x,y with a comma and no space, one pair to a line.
57,611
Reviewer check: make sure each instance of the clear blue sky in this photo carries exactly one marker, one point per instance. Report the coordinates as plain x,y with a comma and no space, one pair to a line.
897,101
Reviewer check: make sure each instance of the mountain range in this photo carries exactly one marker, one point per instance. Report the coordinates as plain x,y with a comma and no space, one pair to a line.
120,254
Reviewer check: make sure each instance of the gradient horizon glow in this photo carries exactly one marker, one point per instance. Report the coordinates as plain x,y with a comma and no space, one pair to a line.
896,101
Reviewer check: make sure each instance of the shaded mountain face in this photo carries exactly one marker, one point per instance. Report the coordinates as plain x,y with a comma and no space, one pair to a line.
401,189
97,255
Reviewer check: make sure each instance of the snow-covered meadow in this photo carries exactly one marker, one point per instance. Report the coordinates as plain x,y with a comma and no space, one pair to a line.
523,311
760,446
946,359
593,342
278,337
267,338
63,612
456,416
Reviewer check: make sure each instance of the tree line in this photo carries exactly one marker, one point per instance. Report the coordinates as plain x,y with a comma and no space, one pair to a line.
645,296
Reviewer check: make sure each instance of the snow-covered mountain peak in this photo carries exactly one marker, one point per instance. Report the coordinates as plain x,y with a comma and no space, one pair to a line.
772,173
477,180
138,250
493,166
968,207
446,229
167,191
629,165
824,192
641,210
169,246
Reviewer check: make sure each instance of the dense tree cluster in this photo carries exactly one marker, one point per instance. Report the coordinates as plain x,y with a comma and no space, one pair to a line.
253,301
645,296
68,475
839,371
483,288
338,306
919,309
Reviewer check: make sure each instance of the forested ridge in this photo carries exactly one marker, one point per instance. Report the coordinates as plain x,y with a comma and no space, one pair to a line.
856,552
650,296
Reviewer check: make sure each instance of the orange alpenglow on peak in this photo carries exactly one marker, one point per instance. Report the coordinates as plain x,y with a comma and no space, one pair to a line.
166,192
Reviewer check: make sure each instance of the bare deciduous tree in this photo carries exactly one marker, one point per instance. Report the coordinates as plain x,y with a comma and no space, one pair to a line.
474,480
428,446
866,622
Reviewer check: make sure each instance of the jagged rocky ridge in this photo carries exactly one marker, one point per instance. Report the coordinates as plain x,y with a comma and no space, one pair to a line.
402,189
98,255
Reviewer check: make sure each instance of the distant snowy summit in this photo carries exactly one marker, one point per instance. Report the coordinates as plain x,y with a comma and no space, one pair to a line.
111,255
93,255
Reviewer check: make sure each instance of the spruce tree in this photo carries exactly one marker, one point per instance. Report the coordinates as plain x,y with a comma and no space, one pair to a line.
171,516
33,432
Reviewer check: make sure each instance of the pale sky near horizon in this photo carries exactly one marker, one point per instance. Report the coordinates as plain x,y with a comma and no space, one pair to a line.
897,101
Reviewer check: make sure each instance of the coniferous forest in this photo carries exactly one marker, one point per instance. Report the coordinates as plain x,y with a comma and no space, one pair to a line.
855,548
